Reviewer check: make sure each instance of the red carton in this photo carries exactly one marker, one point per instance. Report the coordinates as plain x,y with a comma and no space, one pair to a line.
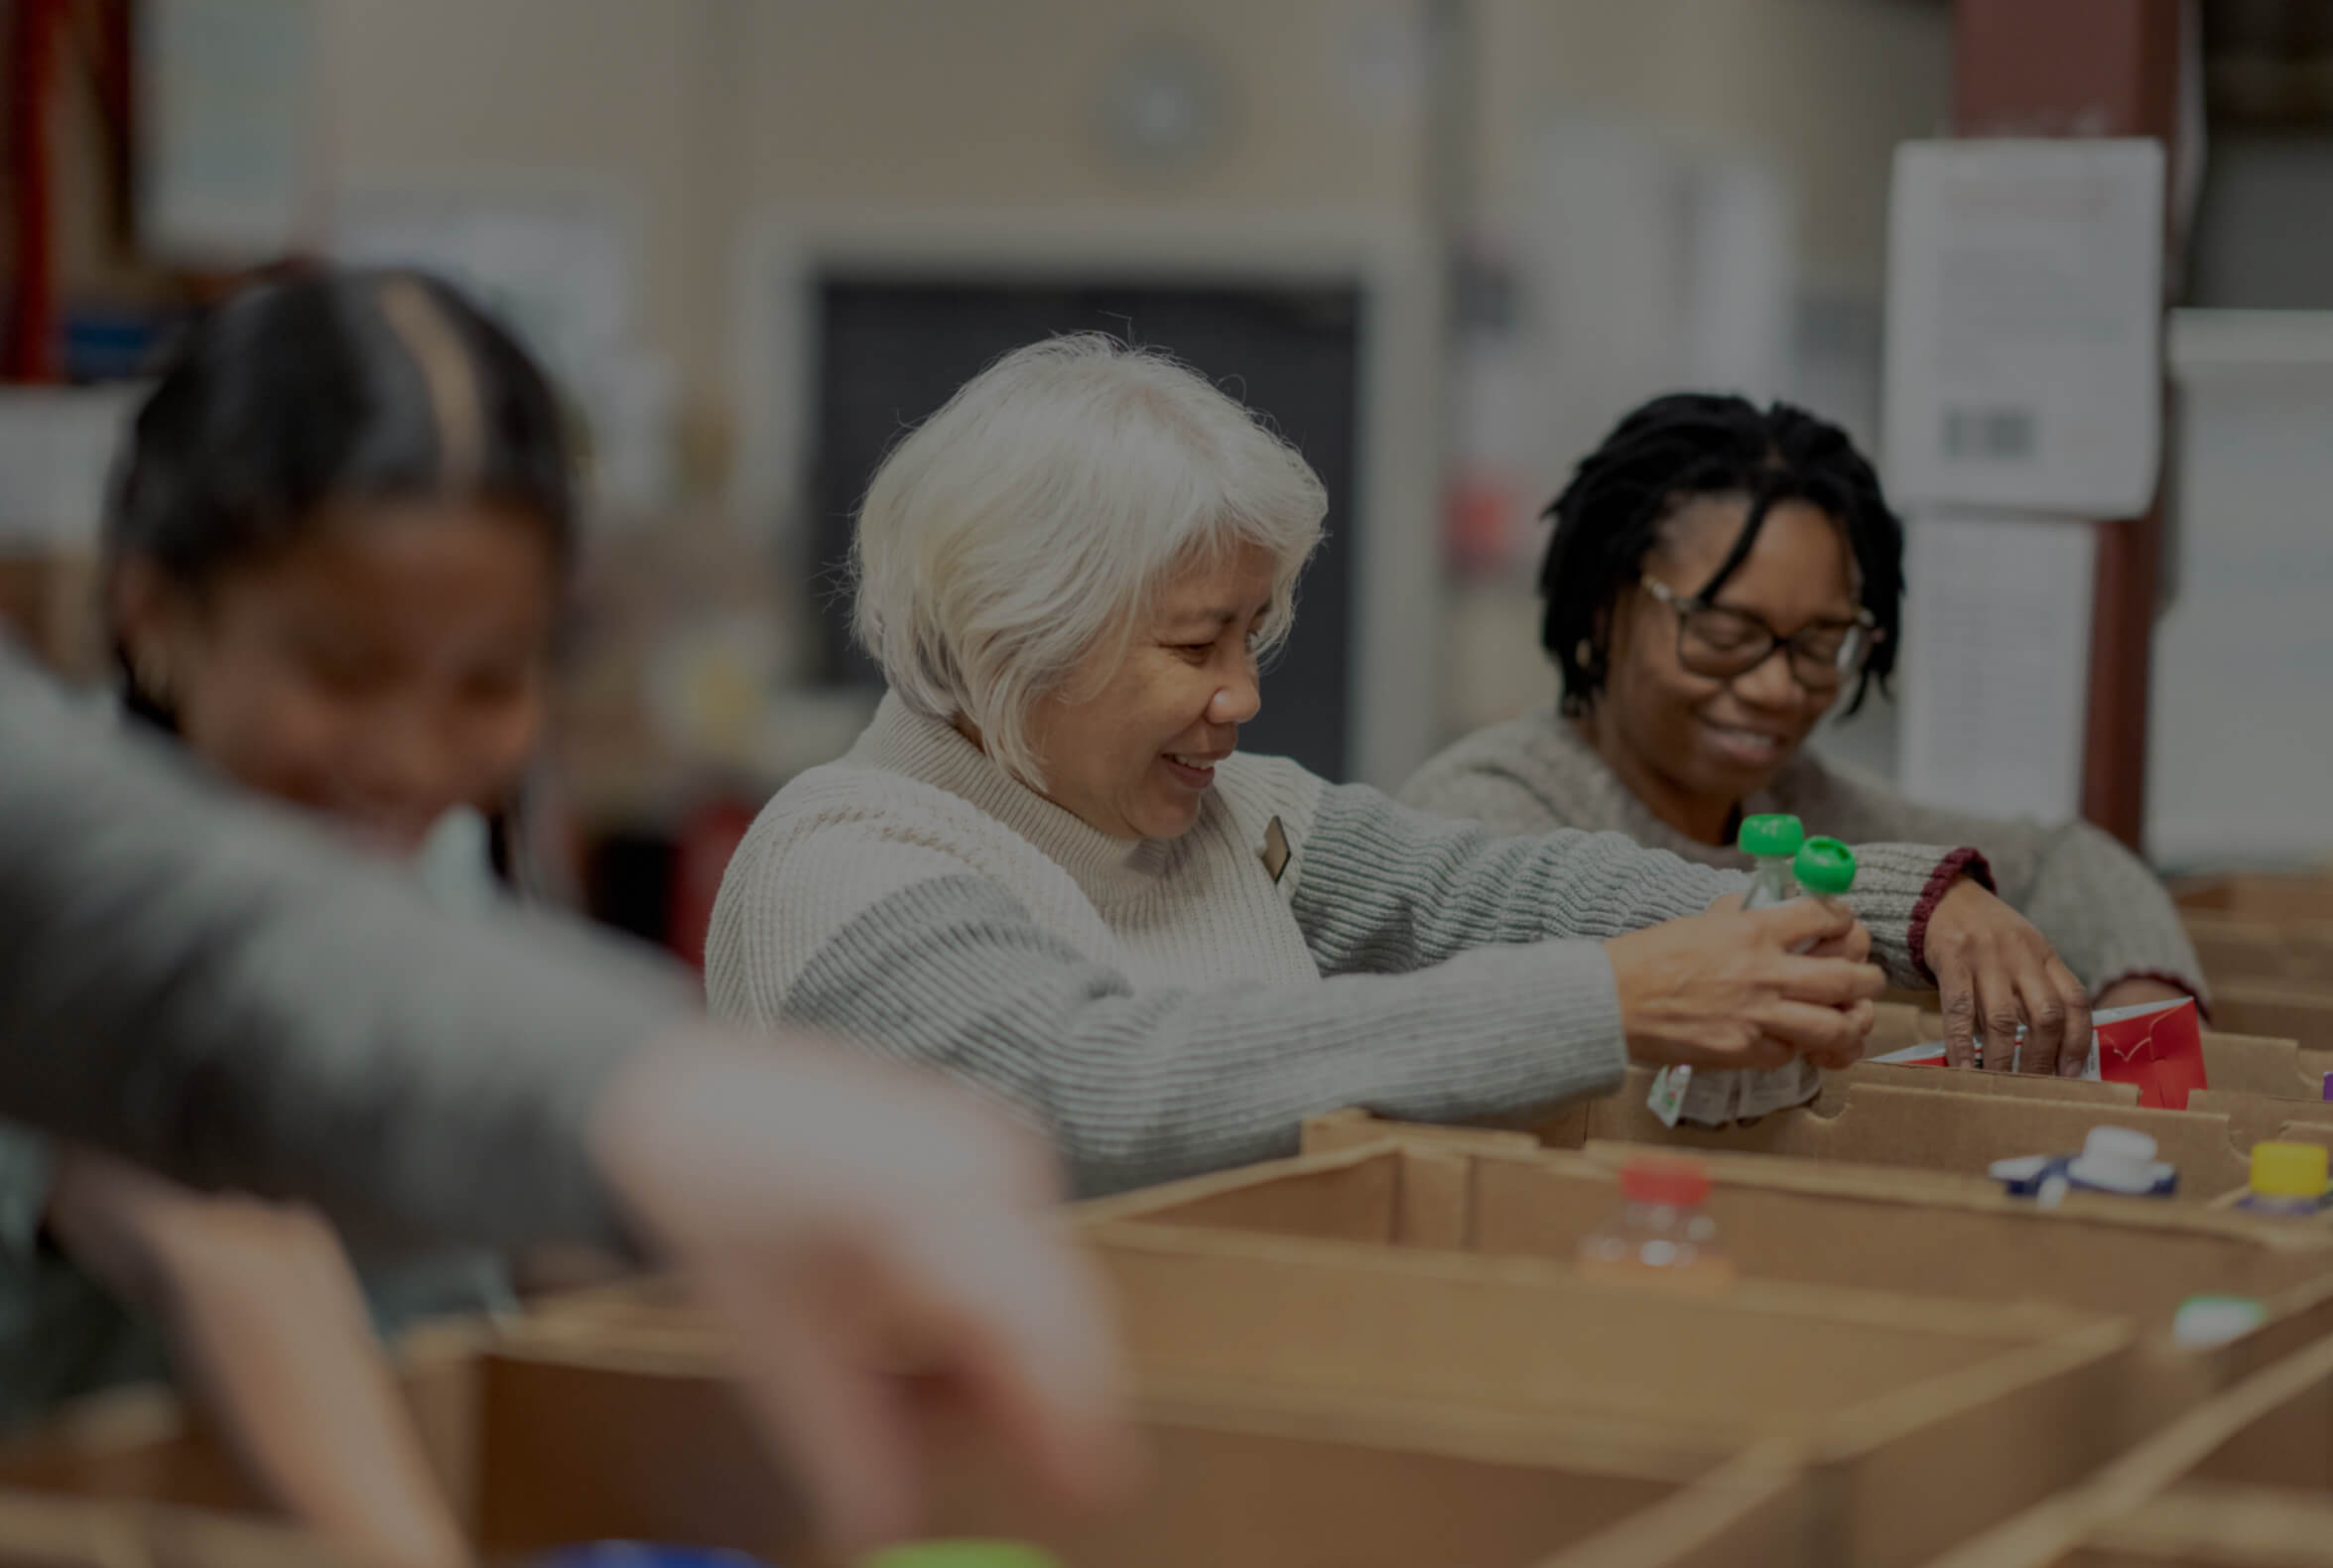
2158,1047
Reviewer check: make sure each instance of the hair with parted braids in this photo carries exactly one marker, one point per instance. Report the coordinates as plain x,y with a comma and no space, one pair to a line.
320,385
1693,443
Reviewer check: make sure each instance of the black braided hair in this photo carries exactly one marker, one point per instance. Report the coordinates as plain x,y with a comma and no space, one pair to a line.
1692,444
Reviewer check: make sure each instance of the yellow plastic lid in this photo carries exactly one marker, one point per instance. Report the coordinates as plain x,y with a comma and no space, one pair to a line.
2288,1170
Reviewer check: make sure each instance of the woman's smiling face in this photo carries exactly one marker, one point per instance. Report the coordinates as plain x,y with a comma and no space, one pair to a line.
1131,749
1716,741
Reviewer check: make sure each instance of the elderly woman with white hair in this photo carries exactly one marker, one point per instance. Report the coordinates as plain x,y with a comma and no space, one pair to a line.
1044,866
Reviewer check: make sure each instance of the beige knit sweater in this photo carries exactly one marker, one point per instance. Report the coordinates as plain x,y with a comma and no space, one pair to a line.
1169,1006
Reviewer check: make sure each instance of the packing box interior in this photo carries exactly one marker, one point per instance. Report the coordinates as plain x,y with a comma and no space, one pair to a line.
2244,1480
1928,1237
1310,1401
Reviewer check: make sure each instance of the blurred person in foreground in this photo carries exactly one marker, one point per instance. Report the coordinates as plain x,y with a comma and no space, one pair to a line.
334,568
242,1002
1720,579
1045,868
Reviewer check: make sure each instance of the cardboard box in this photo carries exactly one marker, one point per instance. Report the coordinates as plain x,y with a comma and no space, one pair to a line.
2242,1481
2281,1011
1918,1419
2276,951
1288,1375
1922,1236
2265,1062
1933,1120
612,1423
2296,895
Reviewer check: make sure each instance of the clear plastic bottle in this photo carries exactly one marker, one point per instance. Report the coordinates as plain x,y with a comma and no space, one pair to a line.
2287,1178
1661,1235
1770,843
1714,1099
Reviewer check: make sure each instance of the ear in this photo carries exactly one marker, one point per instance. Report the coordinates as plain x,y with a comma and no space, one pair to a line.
148,613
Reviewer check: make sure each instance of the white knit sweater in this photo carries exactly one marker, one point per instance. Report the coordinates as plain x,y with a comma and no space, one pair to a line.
1170,1006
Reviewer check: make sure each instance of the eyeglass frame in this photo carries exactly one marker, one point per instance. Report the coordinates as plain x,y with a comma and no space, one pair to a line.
1864,626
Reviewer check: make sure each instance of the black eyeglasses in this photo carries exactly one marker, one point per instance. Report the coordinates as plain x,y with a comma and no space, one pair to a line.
1725,644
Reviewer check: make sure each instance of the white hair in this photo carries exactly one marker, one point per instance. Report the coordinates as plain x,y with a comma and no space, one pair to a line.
1025,527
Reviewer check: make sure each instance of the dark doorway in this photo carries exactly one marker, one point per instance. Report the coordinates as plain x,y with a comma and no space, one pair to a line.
890,352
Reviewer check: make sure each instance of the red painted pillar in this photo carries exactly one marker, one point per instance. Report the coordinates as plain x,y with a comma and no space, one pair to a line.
2089,67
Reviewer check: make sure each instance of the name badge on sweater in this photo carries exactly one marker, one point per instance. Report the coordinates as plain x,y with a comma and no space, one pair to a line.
1276,854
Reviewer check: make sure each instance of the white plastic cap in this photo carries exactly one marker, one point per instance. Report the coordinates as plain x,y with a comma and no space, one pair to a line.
2117,1159
2120,1144
2205,1321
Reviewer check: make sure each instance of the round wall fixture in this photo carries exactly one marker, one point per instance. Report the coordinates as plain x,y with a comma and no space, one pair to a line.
1167,105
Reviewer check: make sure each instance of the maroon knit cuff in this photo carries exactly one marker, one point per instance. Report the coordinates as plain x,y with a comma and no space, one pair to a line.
1970,863
2203,1009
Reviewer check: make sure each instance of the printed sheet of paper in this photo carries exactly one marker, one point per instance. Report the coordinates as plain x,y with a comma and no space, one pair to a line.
1995,673
2024,325
228,112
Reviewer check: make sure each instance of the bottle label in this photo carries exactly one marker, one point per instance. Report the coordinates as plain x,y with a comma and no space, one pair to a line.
1668,1098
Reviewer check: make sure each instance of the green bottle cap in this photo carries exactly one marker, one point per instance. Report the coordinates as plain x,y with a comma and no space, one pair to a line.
1824,867
1771,836
962,1554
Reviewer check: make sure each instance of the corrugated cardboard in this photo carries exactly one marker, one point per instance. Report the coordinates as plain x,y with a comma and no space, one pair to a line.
1890,1396
2275,931
2295,895
2238,947
1904,1231
2245,1479
1873,1122
612,1423
2282,1011
1327,1403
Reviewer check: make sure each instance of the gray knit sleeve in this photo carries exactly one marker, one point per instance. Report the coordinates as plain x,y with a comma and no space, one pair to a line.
1385,889
1144,1086
2109,917
212,989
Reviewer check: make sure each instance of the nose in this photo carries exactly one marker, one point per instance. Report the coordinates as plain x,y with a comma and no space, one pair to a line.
409,766
1770,682
1239,699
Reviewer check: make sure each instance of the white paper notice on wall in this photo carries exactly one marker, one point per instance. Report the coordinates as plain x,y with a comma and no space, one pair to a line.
2024,325
1995,669
226,128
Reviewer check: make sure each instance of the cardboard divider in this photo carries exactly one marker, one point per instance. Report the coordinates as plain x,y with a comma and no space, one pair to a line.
611,1421
2287,895
1873,1122
2245,1479
1934,1238
2255,1064
1919,1419
2278,950
2281,1011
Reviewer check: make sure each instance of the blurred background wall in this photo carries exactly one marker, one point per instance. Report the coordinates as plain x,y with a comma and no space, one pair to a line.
1444,242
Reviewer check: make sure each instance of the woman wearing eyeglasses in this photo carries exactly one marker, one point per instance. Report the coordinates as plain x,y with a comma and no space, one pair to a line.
1720,576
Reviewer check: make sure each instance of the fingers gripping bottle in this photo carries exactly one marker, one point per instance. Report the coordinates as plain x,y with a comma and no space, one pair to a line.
1787,864
1822,868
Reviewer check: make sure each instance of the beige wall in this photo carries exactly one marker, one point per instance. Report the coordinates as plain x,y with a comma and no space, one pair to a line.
713,114
1824,87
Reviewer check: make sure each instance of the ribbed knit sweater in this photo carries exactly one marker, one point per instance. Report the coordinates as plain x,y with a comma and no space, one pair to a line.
2104,911
1169,1006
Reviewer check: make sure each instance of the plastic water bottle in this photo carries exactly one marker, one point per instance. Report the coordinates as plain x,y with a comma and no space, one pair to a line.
1787,864
1661,1233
